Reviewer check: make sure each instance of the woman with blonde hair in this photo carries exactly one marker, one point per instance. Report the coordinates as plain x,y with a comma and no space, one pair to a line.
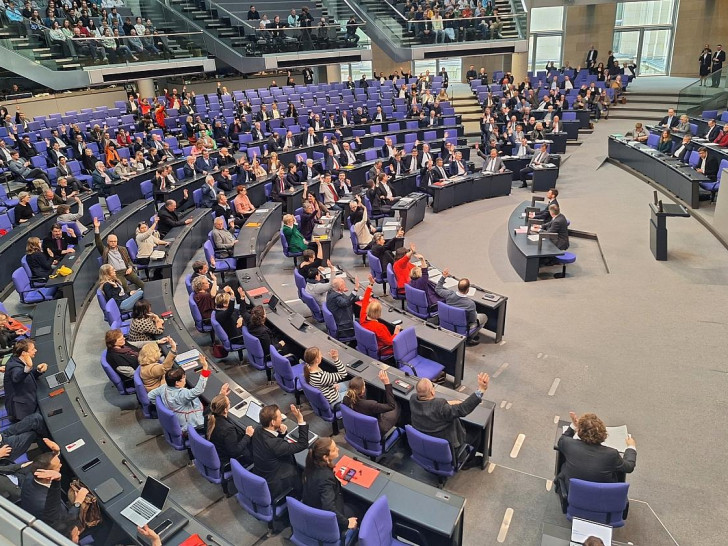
113,289
147,237
273,163
371,312
258,170
152,370
40,263
230,442
242,204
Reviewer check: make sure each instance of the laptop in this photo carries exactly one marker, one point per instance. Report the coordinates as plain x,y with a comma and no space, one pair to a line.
297,321
582,529
272,302
145,508
253,411
62,377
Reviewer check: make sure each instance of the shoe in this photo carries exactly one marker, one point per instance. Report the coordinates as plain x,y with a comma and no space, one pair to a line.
524,185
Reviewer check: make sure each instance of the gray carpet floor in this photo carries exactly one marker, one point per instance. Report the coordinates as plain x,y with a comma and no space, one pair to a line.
643,344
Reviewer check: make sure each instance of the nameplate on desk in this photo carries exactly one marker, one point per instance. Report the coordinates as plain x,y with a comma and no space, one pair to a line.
521,230
321,237
263,210
252,224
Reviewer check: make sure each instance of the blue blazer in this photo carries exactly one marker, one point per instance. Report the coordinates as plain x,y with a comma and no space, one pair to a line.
209,196
200,166
20,389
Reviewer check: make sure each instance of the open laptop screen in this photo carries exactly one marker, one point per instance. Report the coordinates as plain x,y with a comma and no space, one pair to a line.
155,492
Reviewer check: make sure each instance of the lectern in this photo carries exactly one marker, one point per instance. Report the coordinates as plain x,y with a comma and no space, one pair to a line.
658,226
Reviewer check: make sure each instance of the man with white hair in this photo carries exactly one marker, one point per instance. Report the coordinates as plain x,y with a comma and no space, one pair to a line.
209,193
102,178
222,239
340,303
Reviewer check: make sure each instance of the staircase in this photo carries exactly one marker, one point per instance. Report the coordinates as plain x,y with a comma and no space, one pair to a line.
466,105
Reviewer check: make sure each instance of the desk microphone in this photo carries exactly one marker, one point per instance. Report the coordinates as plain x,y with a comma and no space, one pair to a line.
123,461
212,539
78,401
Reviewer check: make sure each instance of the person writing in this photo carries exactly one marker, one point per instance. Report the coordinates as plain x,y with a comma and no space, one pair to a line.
321,487
371,311
441,418
585,457
230,442
387,412
273,454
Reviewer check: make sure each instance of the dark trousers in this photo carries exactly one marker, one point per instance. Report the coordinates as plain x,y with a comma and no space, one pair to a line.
22,434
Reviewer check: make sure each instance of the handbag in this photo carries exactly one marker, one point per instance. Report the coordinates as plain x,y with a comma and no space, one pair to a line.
218,351
89,513
64,271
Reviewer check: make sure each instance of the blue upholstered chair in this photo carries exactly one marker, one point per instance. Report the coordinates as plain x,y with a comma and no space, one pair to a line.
332,327
455,320
362,432
321,406
256,356
148,410
355,245
207,460
27,293
376,527
170,426
314,527
313,305
202,326
435,454
114,377
600,502
393,290
113,203
286,250
375,268
366,341
417,302
253,495
227,344
289,378
405,353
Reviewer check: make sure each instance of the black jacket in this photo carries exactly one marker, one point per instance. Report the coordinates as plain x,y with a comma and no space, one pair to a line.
169,219
40,264
340,306
322,490
20,389
386,413
45,502
230,442
273,457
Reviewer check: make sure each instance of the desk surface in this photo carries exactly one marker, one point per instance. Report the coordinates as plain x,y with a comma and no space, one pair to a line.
520,240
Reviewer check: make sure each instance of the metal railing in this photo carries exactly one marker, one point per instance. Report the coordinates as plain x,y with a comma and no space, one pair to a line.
709,93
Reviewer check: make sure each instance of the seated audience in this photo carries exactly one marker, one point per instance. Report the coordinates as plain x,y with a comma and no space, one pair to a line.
387,412
204,294
153,368
371,311
122,356
341,306
222,239
147,238
317,286
169,217
229,440
331,384
461,300
402,265
144,326
113,289
117,257
23,210
39,262
419,278
242,204
60,243
254,321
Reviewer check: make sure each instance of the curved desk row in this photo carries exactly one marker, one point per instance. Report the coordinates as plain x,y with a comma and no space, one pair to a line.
667,172
524,253
472,187
76,422
12,244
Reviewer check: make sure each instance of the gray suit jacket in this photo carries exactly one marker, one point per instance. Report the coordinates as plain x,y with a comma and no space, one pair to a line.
558,225
438,418
497,165
453,299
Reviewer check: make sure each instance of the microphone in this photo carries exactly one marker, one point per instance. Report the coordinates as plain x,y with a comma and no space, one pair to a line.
78,401
126,464
212,539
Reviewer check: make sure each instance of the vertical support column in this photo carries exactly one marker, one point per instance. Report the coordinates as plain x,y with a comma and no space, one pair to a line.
146,88
331,73
519,66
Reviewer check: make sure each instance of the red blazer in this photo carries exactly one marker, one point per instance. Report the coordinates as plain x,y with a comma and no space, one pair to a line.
384,338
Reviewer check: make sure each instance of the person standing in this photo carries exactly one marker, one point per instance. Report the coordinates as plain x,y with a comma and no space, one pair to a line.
718,60
21,381
705,62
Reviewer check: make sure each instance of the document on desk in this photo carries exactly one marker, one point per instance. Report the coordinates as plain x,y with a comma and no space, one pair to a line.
533,238
364,476
582,529
521,230
255,292
452,284
616,437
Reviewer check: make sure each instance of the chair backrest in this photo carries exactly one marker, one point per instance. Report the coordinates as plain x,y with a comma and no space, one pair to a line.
142,395
376,525
188,283
21,282
113,314
197,197
362,431
416,301
282,371
113,203
253,492
405,346
300,281
111,374
97,212
131,246
284,244
206,458
392,280
196,315
26,267
147,189
653,140
354,239
5,222
254,349
432,454
375,267
312,526
600,502
452,318
694,158
330,321
102,302
318,401
170,425
220,333
366,341
313,305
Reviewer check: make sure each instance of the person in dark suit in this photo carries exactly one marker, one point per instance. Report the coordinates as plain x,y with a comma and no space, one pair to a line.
26,148
209,192
587,459
57,242
705,62
538,159
493,164
168,216
309,138
21,381
551,195
331,163
273,454
340,303
439,418
591,58
280,185
55,153
558,225
670,120
458,166
322,489
708,165
713,130
205,164
230,442
718,60
347,157
257,132
383,250
387,412
682,152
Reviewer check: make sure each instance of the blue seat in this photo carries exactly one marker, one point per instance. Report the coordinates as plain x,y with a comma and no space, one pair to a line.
455,320
321,406
362,432
375,268
653,140
27,294
709,114
101,299
313,305
35,282
148,410
286,250
417,302
366,341
253,495
170,426
222,337
133,249
393,290
435,454
221,264
256,356
406,356
197,197
376,527
113,203
114,318
188,283
289,378
207,461
332,327
355,245
147,189
97,212
370,214
114,377
694,159
600,502
202,326
299,280
314,527
563,260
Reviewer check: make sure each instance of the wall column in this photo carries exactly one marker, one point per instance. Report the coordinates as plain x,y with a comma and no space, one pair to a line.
331,73
145,88
519,66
